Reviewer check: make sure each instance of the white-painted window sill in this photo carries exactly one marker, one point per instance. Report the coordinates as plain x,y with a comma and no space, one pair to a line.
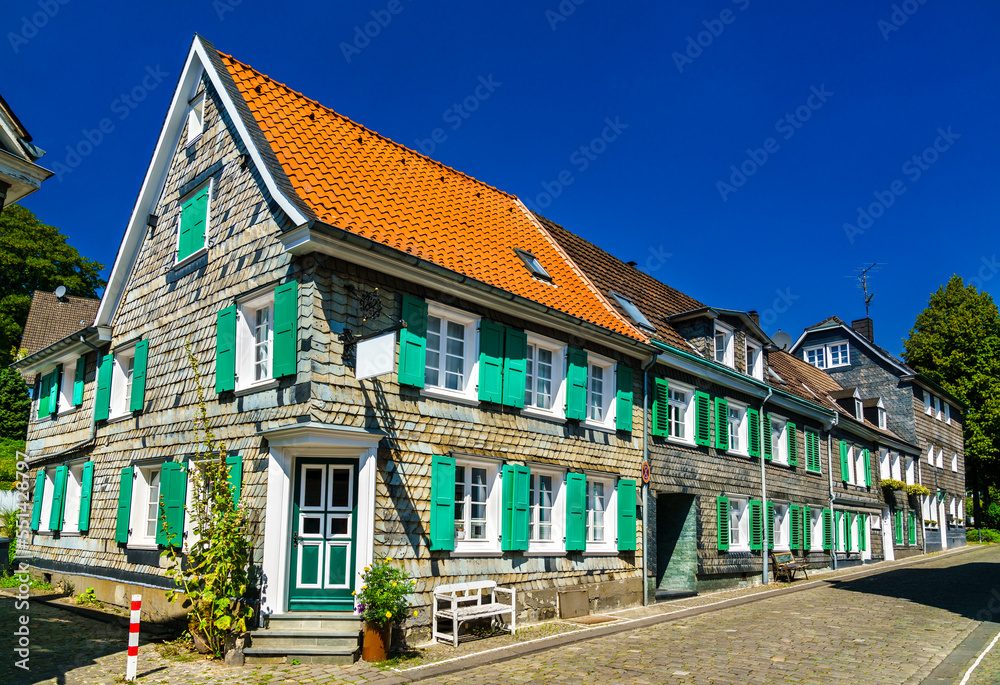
144,548
263,385
601,553
439,394
475,553
191,257
681,441
543,414
599,427
120,417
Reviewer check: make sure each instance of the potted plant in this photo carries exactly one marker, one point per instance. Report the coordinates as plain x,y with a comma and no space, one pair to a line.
916,491
382,602
894,491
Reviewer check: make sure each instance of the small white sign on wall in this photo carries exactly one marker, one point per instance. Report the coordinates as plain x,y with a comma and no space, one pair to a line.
376,356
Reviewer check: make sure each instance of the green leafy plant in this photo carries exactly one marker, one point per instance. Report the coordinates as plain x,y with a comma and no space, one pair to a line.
213,579
87,598
989,535
384,588
916,490
892,484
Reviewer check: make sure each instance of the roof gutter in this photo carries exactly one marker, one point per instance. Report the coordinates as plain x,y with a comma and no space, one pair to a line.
923,380
71,342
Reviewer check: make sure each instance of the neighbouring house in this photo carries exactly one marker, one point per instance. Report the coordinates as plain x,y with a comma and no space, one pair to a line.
909,404
52,319
20,173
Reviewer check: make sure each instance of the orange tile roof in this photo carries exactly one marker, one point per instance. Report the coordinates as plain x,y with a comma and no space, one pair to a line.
362,182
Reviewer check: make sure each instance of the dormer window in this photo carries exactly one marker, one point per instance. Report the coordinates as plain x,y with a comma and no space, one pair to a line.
828,356
859,410
724,344
195,120
755,366
534,266
633,312
882,421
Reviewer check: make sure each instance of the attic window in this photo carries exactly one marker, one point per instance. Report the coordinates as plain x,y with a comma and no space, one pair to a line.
534,266
196,119
633,312
859,412
881,418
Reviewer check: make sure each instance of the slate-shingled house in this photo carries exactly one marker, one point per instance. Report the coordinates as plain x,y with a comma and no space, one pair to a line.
507,444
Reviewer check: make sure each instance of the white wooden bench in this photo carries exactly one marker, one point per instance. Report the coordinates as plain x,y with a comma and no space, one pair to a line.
464,602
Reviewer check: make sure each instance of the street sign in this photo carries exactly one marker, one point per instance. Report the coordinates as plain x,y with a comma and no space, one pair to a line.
645,472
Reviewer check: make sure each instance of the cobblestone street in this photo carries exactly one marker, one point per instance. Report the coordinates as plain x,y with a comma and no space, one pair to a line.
892,627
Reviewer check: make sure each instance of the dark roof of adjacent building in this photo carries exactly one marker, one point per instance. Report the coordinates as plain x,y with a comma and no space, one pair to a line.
51,319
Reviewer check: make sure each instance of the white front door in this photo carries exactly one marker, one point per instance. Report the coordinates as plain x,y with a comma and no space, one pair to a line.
887,545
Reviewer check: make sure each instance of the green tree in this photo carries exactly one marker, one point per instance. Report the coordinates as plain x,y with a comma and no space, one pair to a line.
956,343
35,256
15,405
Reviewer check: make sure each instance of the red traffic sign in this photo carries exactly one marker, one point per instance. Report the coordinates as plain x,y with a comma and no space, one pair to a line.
645,472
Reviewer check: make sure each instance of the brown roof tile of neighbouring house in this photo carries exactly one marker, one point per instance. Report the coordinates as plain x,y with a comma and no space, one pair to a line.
51,319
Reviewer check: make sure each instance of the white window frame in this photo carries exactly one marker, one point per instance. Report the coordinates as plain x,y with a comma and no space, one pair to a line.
756,368
910,470
470,324
850,465
558,350
195,120
819,355
827,355
44,522
816,536
884,467
859,467
859,409
947,413
609,391
841,520
938,412
66,384
71,500
928,409
743,433
491,543
208,222
954,462
940,458
779,440
557,545
610,543
782,526
688,404
121,382
729,342
882,418
854,524
138,517
930,455
739,520
246,344
895,466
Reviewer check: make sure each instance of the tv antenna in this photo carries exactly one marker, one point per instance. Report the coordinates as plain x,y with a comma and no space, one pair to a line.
863,278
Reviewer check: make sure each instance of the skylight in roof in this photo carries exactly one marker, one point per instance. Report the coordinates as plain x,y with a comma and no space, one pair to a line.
633,312
534,266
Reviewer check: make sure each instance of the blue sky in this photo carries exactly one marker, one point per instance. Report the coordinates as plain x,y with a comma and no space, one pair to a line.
723,145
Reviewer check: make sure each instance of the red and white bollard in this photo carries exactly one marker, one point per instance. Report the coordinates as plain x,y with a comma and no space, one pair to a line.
133,639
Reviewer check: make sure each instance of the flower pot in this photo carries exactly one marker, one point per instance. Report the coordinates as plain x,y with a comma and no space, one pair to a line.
375,646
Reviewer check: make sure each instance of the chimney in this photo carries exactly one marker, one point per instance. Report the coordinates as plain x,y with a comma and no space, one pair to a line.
754,316
865,328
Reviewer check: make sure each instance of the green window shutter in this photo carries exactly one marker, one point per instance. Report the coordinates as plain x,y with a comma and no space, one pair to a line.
515,367
36,509
225,349
721,423
898,528
703,422
194,216
806,528
286,329
623,410
661,407
173,493
794,527
770,525
756,524
124,505
576,384
626,515
753,422
515,519
868,468
138,398
793,444
102,402
54,380
58,498
765,437
490,362
845,467
828,532
413,352
576,512
235,464
43,396
912,527
78,380
812,450
442,501
722,522
861,531
848,521
86,495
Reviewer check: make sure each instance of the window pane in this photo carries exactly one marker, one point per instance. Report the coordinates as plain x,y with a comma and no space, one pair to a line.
433,363
460,502
477,504
677,413
596,412
153,508
455,357
734,428
261,335
529,377
340,489
544,387
595,511
313,495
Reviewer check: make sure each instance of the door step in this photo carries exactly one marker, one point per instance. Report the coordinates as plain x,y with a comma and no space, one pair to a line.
304,655
664,595
309,637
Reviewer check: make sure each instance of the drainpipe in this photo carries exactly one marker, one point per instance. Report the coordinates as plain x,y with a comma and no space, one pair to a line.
763,496
645,486
829,470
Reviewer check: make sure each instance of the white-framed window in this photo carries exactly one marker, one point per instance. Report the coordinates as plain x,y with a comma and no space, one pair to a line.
828,356
947,413
754,360
600,391
680,412
841,517
71,500
894,466
882,418
739,525
954,462
121,382
854,523
859,410
43,520
544,388
254,341
938,412
601,514
451,367
850,465
66,384
737,427
724,344
859,466
779,441
930,455
884,468
477,505
928,409
816,535
546,511
196,119
940,457
911,468
144,520
782,526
